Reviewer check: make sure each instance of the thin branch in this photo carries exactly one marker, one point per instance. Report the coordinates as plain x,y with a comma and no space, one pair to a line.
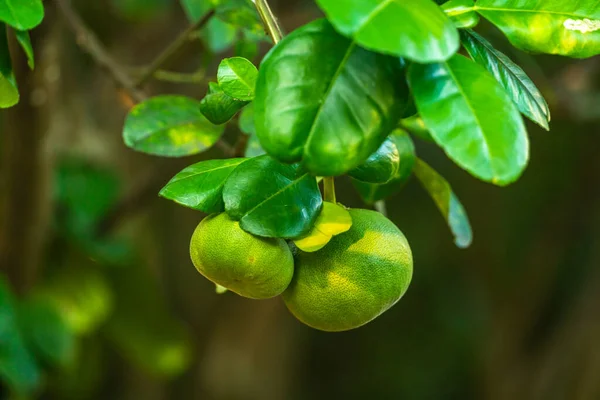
172,49
269,20
88,41
329,189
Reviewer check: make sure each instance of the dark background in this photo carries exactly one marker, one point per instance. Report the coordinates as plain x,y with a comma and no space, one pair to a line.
515,316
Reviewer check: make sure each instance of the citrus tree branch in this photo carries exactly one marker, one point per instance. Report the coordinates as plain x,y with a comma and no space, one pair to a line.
173,48
269,20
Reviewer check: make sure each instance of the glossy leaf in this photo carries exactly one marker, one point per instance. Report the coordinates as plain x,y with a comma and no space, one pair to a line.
18,367
325,101
237,78
565,27
416,126
515,81
218,107
370,192
462,13
21,14
200,186
447,202
416,29
169,126
46,331
332,220
472,118
9,93
381,166
272,199
25,43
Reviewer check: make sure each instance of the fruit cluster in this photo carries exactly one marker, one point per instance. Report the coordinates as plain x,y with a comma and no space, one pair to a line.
356,277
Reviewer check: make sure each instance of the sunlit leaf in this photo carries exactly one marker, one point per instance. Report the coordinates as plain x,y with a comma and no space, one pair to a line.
447,202
332,220
454,99
9,93
169,126
416,29
381,166
272,199
461,12
569,28
237,78
323,100
416,126
515,81
200,186
21,14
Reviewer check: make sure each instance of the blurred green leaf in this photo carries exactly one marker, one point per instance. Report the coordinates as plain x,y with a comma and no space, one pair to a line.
46,331
381,166
200,186
272,199
81,295
218,107
218,35
568,28
493,146
237,78
447,202
416,126
21,14
370,192
246,124
169,126
143,328
9,93
246,48
18,367
462,13
332,220
515,81
25,42
417,30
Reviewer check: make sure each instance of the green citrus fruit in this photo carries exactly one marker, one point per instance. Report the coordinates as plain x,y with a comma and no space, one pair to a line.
251,266
355,278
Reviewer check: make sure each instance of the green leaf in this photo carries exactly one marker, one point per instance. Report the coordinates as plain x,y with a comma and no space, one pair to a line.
18,367
82,296
565,27
25,42
370,192
200,186
323,100
272,199
332,220
169,126
21,14
515,81
447,202
246,124
9,93
242,14
416,29
462,13
472,118
218,107
237,78
381,166
46,331
218,35
416,126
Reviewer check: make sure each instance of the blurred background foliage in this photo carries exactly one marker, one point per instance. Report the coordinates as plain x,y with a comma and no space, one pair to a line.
99,300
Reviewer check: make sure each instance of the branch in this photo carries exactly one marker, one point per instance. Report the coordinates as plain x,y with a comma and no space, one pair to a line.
173,48
91,45
269,20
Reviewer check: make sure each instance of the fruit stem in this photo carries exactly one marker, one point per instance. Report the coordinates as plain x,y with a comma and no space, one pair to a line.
269,20
381,207
329,189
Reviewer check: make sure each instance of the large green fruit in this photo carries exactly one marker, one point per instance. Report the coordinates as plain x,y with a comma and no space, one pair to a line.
251,266
326,102
359,275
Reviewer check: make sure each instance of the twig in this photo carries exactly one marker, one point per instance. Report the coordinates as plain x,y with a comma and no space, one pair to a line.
269,20
329,189
90,43
172,49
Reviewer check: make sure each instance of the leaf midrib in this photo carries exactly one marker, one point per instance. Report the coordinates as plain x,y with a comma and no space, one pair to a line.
277,193
208,170
516,10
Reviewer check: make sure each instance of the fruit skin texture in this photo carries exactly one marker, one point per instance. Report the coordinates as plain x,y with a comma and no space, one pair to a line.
359,275
251,266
